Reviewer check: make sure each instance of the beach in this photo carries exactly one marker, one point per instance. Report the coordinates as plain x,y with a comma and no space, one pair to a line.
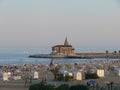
19,84
18,73
13,85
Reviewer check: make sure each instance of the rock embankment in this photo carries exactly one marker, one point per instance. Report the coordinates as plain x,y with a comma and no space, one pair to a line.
79,55
99,55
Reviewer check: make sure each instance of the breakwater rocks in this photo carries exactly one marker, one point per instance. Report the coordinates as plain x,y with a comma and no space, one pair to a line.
99,55
79,55
55,56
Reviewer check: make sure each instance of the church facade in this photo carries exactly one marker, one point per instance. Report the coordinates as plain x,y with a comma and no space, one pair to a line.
65,49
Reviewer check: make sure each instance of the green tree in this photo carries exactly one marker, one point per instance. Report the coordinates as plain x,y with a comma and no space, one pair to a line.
111,84
79,87
68,78
63,87
91,76
115,52
119,51
60,77
107,51
55,72
41,86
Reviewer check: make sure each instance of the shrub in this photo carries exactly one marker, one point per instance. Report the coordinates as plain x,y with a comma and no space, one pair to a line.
55,72
91,76
102,88
68,78
116,88
41,86
34,87
60,77
63,87
49,87
79,87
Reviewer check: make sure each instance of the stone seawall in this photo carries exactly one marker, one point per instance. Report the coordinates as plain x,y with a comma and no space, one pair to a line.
99,55
79,55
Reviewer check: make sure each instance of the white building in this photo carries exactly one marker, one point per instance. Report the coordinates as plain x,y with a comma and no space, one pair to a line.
100,73
5,76
117,71
36,75
65,73
77,75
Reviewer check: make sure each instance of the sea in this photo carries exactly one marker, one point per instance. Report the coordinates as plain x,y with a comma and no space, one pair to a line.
20,56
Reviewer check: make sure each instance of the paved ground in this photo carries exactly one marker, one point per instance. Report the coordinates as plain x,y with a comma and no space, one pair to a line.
13,85
19,84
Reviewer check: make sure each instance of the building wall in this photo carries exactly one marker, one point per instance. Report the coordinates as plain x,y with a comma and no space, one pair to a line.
63,50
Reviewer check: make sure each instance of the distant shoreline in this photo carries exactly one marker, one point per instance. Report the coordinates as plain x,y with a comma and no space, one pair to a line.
79,55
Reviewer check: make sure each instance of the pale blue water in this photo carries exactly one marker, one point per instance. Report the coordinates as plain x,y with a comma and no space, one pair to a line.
20,56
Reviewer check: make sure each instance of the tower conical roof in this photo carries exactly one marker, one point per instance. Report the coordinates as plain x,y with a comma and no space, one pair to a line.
66,42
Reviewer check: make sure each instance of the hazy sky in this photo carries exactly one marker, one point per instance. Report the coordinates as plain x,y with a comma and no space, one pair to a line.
38,23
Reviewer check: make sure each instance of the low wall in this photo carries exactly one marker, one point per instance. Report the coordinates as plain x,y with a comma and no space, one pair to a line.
99,55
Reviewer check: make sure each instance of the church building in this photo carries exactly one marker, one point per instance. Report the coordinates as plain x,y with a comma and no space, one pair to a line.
65,49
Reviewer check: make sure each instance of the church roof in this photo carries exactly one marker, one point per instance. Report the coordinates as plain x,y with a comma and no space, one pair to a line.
66,42
62,46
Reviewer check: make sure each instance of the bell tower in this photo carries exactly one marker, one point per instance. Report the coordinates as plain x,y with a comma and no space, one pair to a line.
66,43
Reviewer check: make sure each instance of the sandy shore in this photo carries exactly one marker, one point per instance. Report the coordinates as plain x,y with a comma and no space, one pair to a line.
44,72
19,84
13,85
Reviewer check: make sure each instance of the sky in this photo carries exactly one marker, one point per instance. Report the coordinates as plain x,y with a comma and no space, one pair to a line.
45,23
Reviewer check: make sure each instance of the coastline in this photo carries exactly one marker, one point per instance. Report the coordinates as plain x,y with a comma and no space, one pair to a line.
78,55
58,56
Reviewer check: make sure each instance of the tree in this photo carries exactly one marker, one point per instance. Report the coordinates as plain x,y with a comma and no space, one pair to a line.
119,51
55,72
79,87
108,86
41,86
63,87
107,51
115,52
91,76
111,84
